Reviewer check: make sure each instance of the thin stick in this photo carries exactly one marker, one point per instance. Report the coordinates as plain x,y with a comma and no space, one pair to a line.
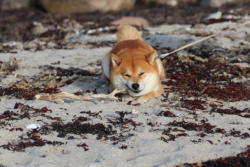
245,23
108,96
162,56
58,97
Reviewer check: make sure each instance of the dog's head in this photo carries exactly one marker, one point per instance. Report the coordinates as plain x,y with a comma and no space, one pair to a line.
137,74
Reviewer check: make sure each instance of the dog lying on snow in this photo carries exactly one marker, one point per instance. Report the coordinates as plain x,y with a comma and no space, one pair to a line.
133,65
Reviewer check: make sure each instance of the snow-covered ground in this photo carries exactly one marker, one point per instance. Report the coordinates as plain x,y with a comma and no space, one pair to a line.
159,133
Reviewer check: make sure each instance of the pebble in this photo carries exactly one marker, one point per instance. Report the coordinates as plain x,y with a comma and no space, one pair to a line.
216,15
33,126
134,111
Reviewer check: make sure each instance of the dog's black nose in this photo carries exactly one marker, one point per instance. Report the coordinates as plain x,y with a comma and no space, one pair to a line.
135,86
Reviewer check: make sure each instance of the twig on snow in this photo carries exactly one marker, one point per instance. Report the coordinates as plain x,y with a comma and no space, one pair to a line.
58,97
162,56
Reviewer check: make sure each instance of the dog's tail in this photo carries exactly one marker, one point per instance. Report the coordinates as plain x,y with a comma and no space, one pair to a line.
127,32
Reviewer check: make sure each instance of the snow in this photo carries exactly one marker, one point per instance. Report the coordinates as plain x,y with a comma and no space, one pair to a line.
145,147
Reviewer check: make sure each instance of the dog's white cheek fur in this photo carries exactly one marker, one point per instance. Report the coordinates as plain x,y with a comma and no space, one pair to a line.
119,82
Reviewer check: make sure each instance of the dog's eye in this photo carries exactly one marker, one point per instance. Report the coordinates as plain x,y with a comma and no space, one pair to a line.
141,73
127,75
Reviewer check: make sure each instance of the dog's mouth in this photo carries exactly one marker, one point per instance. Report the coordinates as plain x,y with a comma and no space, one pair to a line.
136,91
132,90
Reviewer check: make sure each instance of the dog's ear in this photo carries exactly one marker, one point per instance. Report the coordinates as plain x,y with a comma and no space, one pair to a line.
115,60
151,57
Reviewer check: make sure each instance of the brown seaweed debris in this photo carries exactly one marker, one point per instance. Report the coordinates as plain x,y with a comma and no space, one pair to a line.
34,112
92,114
232,111
9,115
78,128
192,104
166,114
206,127
26,93
45,82
84,146
172,137
15,23
232,92
60,72
125,126
212,21
237,133
25,108
123,122
123,147
192,78
240,160
26,111
33,139
8,67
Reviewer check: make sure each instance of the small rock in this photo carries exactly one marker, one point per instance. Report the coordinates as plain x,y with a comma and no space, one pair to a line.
32,45
33,126
10,44
134,111
216,15
38,28
220,59
51,45
173,97
35,45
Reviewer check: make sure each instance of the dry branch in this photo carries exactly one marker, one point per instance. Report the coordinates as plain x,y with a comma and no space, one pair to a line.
162,56
58,97
186,46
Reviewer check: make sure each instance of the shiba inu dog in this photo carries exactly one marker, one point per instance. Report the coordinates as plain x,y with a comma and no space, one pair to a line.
132,64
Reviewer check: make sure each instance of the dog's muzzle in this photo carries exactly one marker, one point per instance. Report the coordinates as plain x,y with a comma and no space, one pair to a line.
134,88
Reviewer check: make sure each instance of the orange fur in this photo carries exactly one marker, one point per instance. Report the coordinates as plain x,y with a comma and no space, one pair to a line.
133,64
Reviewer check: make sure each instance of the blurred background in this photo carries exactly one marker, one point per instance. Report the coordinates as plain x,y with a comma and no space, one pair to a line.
85,6
24,20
